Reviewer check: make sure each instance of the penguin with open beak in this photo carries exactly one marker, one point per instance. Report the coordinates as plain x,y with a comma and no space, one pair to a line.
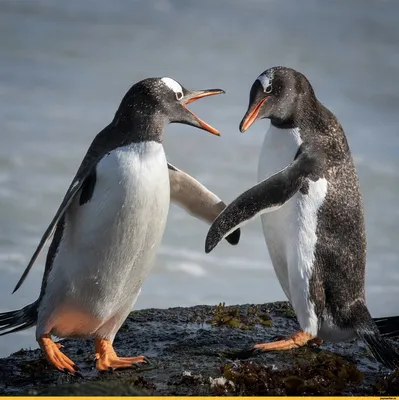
109,226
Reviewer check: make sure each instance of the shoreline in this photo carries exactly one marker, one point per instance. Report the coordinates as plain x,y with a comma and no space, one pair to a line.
188,352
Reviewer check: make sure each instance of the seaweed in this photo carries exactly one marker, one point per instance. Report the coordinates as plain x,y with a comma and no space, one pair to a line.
387,385
321,373
174,342
234,317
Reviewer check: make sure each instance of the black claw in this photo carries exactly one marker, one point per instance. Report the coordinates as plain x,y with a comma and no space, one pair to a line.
79,375
75,373
67,371
145,363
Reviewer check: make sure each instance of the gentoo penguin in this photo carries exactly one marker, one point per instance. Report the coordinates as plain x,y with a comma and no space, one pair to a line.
109,226
312,215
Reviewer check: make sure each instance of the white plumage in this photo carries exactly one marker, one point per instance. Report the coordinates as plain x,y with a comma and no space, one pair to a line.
290,231
108,245
172,84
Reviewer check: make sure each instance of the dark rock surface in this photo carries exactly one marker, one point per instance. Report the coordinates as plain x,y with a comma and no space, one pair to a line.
189,353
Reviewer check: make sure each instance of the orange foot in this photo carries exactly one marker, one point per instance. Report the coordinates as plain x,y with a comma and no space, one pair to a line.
55,357
107,358
297,340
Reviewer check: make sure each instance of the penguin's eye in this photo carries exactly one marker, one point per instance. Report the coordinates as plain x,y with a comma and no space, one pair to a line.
179,95
269,88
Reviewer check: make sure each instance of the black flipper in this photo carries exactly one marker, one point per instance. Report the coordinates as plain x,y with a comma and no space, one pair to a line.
196,199
266,196
70,195
388,326
88,187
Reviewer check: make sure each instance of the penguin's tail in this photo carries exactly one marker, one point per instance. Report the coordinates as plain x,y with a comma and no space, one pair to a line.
367,330
15,321
381,349
388,326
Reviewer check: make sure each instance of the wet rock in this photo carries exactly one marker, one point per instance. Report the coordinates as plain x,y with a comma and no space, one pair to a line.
95,388
188,349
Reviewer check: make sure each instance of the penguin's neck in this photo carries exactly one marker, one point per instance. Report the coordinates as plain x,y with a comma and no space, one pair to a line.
140,127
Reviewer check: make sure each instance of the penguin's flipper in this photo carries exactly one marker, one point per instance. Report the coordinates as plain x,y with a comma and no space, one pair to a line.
76,185
196,199
266,196
388,326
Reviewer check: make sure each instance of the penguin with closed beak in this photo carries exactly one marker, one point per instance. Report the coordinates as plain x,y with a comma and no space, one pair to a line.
309,201
109,226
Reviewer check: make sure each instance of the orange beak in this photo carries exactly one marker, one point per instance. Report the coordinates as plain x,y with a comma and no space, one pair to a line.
251,115
195,95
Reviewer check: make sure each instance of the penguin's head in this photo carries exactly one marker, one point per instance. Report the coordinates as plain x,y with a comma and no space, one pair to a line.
166,99
276,94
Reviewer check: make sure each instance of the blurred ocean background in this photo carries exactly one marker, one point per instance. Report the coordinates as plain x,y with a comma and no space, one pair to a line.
65,66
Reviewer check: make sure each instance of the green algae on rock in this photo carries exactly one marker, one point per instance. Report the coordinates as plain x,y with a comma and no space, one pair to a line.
186,346
325,375
235,317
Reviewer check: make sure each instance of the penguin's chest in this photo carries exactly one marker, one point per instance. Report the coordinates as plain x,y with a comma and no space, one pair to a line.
110,241
291,231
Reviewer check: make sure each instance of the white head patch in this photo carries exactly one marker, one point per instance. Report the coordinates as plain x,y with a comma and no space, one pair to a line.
266,82
172,84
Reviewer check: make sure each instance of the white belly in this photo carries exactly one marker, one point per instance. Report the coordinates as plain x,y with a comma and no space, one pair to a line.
278,150
110,242
290,232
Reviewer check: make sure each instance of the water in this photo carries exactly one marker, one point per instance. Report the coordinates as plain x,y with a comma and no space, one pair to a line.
64,67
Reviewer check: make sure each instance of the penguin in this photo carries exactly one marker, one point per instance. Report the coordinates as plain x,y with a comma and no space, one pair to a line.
309,201
109,226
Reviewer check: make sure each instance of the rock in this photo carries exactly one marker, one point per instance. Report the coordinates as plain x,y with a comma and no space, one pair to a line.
188,350
94,388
